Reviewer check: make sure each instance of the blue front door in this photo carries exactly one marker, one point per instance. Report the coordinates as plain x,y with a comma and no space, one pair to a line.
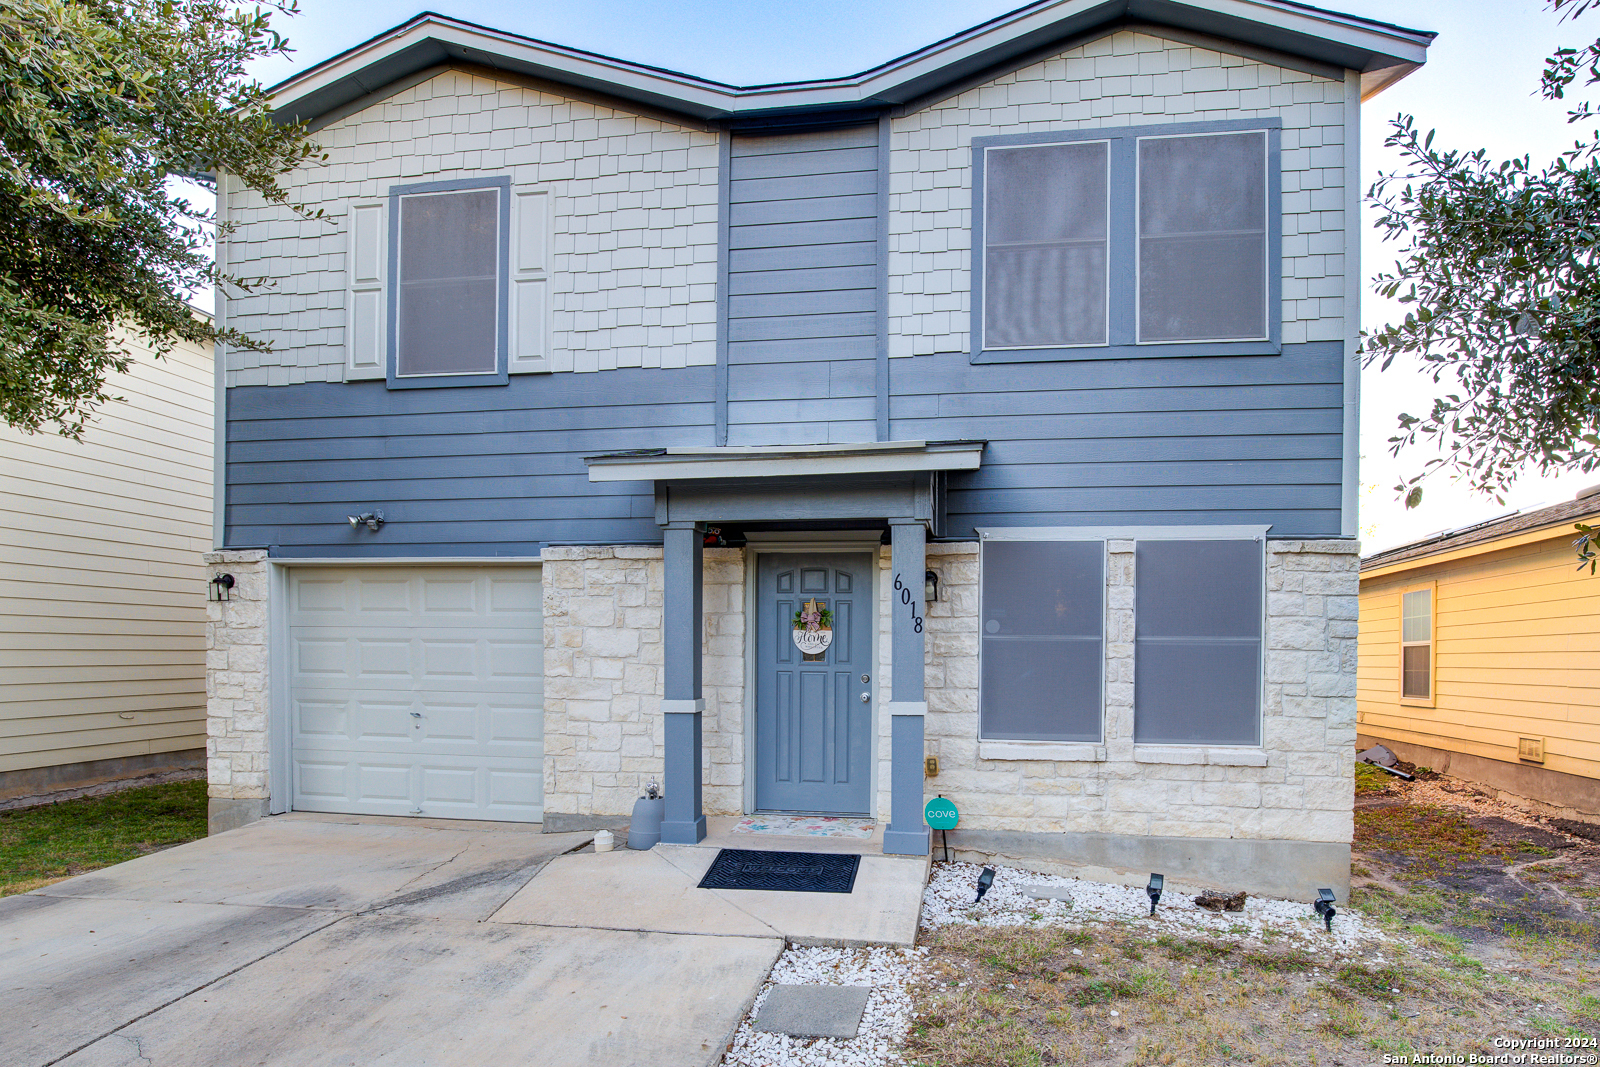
813,727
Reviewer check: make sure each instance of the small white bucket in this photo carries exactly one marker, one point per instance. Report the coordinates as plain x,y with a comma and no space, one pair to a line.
603,841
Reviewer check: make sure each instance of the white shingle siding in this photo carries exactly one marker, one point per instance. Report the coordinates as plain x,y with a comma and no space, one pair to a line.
634,224
1129,78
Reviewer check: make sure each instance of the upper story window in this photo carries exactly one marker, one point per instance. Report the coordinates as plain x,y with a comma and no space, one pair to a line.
447,284
1132,242
447,293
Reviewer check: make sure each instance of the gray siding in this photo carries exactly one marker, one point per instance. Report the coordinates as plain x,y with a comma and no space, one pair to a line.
1235,439
499,471
802,296
492,471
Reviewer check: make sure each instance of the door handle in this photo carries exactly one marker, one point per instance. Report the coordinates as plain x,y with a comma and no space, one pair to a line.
866,698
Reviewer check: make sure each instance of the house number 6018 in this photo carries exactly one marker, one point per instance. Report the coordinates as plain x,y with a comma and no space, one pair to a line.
909,601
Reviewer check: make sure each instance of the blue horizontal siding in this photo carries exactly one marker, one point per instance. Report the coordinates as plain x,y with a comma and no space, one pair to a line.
499,471
482,471
1248,440
802,287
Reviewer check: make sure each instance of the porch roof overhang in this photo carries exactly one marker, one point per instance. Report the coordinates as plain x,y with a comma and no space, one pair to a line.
1381,52
880,482
784,461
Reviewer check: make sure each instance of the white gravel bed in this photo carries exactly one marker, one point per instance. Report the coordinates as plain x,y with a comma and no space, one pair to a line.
889,971
948,900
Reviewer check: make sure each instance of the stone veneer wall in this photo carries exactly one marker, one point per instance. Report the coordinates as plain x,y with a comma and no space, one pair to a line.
602,664
236,690
1304,789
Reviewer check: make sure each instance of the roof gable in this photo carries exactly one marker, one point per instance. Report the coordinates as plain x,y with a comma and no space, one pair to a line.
1381,52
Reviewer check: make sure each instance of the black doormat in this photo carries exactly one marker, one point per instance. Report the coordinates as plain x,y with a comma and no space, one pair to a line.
787,872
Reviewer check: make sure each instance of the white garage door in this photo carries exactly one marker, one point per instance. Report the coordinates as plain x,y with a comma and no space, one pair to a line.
418,691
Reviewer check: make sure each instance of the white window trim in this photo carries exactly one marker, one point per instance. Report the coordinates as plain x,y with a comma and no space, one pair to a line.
984,251
1123,533
1054,751
1431,700
1266,237
1202,755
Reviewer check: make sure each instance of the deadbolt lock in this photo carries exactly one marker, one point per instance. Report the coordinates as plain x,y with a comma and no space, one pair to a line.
865,678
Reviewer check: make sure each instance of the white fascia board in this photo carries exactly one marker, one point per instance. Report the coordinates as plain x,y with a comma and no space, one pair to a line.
893,82
662,468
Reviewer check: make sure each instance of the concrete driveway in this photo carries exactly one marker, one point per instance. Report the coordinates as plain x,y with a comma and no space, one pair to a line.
322,940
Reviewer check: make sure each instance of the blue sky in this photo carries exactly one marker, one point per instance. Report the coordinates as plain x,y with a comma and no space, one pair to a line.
1478,90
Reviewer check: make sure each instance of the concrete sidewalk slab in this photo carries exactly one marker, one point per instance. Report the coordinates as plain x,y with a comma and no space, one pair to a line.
627,891
377,989
333,865
72,970
882,909
814,1010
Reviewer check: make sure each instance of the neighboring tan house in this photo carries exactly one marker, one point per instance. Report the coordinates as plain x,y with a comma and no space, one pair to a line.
1480,657
102,602
1024,365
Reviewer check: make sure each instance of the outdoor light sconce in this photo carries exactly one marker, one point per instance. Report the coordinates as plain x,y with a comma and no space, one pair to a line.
930,588
1154,890
985,880
1323,906
372,520
217,588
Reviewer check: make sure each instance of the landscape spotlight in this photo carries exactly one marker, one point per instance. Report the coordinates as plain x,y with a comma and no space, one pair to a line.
1154,889
1323,906
985,880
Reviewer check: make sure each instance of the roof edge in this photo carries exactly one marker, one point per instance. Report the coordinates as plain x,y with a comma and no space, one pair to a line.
430,39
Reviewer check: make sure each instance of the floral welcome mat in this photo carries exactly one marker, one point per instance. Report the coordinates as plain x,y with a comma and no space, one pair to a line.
806,826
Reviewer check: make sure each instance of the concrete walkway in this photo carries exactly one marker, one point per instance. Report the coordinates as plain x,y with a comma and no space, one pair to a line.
311,940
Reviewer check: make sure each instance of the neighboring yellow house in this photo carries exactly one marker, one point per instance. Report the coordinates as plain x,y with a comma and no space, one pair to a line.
1480,657
102,589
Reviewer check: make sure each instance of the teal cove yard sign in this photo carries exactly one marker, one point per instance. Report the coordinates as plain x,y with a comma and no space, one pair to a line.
941,815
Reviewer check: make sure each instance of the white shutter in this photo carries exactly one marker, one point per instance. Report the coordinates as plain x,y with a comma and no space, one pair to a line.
530,281
366,320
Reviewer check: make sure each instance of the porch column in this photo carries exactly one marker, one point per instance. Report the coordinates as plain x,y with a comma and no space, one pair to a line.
684,555
907,833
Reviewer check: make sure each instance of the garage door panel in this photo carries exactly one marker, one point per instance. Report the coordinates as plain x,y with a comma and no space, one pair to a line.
418,691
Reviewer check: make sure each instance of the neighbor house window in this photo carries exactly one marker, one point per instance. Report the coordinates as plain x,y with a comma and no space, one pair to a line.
449,287
1416,644
1197,642
1043,640
1130,242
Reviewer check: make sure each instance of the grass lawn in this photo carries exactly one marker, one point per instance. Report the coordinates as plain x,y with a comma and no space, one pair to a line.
42,845
1494,928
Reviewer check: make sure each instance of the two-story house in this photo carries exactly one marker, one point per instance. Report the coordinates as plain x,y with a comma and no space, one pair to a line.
982,424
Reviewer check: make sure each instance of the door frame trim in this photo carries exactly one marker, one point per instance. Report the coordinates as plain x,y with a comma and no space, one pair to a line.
851,541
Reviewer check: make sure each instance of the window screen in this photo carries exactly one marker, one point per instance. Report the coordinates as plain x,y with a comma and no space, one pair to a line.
1416,644
1044,245
1197,652
1203,237
1043,640
448,314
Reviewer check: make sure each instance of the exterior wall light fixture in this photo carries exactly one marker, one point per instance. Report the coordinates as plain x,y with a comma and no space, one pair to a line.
930,588
1154,890
217,588
372,520
1323,906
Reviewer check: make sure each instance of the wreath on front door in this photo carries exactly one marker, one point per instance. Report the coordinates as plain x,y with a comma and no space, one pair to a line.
813,628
